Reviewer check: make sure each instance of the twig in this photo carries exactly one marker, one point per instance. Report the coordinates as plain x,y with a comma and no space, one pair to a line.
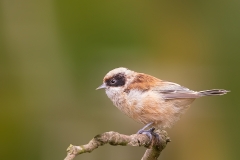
113,138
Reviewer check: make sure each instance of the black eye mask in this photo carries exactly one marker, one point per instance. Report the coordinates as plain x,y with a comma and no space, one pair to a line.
116,81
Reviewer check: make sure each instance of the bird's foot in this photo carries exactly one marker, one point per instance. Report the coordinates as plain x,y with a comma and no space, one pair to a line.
150,132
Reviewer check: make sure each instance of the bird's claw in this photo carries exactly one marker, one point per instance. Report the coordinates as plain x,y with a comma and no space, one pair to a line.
150,132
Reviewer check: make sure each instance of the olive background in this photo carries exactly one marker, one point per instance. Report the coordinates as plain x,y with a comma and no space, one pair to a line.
54,54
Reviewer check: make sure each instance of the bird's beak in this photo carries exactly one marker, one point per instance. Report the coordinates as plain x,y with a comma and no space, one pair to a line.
102,86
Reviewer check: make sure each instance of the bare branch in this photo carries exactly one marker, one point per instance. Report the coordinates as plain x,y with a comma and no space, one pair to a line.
113,138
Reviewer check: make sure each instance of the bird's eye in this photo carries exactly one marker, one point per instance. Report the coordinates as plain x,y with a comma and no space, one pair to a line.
113,81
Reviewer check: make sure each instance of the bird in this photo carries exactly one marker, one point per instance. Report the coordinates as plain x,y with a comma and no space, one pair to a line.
149,100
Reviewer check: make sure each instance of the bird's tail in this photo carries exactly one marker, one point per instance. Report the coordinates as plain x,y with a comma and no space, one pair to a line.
213,92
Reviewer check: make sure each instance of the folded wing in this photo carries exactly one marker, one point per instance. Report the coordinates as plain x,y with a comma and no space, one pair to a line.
170,90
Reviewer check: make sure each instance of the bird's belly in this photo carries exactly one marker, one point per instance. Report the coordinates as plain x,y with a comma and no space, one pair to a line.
146,107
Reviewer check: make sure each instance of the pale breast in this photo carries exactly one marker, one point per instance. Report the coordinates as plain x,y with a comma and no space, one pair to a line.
149,106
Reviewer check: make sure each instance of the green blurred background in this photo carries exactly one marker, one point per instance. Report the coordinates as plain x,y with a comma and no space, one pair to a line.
53,54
